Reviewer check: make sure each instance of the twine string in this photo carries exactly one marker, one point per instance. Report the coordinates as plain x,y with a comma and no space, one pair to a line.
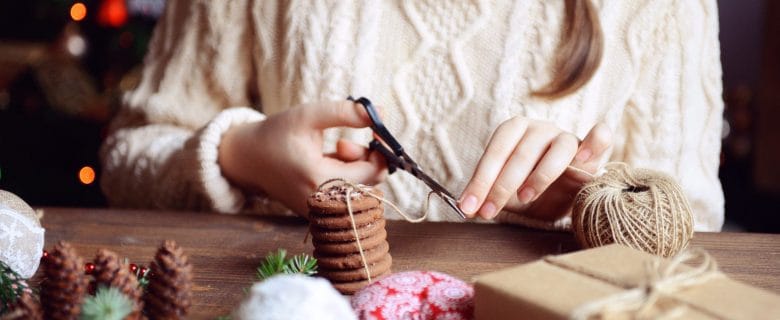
357,236
660,281
640,208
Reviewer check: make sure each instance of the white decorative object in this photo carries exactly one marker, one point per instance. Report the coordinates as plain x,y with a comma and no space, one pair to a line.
293,297
21,235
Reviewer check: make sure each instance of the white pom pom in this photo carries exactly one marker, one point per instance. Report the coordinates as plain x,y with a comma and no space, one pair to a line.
293,297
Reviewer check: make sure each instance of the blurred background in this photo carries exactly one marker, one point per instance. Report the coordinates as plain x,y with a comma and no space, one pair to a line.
64,64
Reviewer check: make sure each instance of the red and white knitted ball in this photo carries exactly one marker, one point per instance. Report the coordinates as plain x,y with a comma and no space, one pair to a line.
415,295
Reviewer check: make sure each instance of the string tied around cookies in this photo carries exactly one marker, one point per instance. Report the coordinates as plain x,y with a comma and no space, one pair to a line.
349,190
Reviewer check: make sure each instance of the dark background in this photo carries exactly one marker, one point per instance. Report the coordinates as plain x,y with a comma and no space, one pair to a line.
60,81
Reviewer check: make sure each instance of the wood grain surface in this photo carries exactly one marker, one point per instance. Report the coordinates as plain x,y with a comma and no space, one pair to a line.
226,249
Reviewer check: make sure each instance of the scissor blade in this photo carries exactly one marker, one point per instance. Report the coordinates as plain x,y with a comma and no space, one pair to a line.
440,191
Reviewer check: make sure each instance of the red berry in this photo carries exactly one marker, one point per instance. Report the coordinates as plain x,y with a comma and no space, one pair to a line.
89,267
143,271
45,254
133,267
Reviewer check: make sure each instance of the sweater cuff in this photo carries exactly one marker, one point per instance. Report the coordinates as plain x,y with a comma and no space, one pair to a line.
223,196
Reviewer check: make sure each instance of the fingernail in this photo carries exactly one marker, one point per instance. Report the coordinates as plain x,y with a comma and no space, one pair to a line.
527,194
488,210
469,205
584,155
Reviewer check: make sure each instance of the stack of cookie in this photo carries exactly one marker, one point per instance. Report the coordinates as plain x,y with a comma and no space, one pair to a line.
335,246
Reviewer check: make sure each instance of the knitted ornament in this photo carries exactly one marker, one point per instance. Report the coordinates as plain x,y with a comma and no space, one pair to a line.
643,209
21,235
26,308
169,293
294,296
415,295
110,272
64,284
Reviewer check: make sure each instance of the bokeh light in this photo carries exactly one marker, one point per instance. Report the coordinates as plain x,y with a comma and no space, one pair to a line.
76,45
78,11
87,175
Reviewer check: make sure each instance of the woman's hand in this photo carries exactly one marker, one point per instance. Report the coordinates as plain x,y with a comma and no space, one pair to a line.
282,155
524,168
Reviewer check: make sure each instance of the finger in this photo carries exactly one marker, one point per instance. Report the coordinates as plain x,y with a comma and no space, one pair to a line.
365,172
336,114
500,147
348,151
549,168
523,159
593,148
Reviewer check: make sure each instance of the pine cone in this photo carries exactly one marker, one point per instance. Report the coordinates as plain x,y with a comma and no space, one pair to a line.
110,272
169,293
25,308
62,291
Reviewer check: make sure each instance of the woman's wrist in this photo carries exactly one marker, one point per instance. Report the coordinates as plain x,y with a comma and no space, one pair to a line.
238,158
222,194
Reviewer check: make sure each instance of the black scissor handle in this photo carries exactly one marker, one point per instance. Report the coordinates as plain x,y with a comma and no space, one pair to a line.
379,127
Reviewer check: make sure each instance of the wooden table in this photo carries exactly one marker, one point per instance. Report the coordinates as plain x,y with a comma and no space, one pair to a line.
225,250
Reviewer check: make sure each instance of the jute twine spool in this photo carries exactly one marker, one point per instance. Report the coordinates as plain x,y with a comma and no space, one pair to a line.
640,208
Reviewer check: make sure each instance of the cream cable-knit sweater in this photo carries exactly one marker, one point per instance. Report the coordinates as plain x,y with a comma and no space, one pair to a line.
446,73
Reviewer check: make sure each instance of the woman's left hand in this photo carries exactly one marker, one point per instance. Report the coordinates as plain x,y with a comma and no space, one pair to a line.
524,169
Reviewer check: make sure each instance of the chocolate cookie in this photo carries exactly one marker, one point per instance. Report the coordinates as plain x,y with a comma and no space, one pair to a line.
342,221
364,231
352,261
342,248
332,200
354,286
379,267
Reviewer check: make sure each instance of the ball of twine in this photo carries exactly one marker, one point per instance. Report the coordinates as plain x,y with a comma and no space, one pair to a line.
640,208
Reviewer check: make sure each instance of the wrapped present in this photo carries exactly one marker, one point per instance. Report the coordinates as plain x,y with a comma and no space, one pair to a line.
617,282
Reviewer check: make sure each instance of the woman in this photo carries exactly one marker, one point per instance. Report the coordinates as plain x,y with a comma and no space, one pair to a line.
244,100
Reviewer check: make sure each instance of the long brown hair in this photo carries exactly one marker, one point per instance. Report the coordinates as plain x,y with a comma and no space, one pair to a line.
579,52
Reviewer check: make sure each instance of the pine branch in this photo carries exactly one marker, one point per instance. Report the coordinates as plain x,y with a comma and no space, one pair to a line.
11,287
303,264
143,278
278,263
273,265
107,304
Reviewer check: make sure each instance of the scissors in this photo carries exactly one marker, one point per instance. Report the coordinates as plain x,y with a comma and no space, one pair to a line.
397,158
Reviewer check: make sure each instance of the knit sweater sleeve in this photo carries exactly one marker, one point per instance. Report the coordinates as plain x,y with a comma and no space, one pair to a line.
673,120
161,151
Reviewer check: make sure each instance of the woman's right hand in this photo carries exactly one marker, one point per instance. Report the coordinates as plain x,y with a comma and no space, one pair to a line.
282,156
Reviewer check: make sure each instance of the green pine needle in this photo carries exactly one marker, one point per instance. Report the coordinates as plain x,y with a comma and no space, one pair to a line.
143,278
11,287
303,264
273,264
278,263
107,304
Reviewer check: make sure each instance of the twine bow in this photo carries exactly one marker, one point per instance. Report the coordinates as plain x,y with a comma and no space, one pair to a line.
661,281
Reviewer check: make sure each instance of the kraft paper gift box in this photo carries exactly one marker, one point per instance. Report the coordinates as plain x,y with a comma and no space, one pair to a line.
614,282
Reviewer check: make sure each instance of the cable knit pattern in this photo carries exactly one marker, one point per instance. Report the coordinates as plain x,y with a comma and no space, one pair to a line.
446,74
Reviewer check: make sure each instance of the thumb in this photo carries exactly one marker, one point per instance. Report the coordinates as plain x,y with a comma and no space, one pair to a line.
337,114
